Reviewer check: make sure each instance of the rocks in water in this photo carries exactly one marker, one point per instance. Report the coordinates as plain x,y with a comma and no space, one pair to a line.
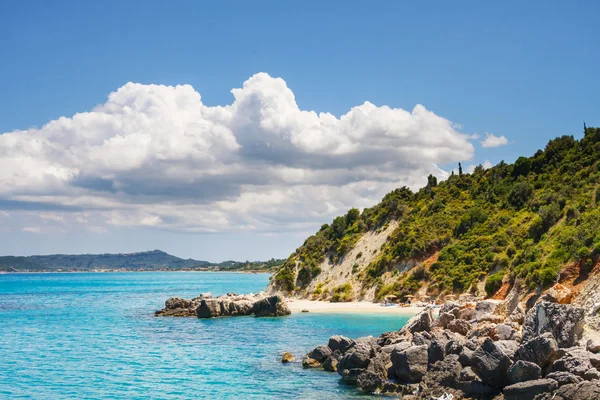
178,307
563,321
340,343
273,306
542,350
522,371
423,321
330,364
287,358
491,364
528,390
304,311
320,353
357,357
308,362
410,365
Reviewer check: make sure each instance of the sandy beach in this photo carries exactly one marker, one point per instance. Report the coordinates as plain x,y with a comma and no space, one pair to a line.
353,307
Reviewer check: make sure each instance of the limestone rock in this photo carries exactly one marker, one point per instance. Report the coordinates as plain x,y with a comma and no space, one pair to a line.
542,350
491,364
530,389
358,357
340,343
564,321
308,362
330,364
410,365
320,353
423,321
459,326
272,306
522,371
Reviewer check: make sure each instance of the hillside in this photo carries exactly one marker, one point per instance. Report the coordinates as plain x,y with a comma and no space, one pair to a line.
532,223
155,260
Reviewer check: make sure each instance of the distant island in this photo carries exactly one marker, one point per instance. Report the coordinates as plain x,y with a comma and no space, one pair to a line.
155,260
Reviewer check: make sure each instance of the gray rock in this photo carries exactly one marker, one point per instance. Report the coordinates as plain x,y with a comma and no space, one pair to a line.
507,332
340,343
398,346
542,350
370,381
564,321
209,308
358,357
491,364
509,347
450,307
467,374
564,378
444,319
528,390
574,360
410,365
350,376
591,374
586,390
330,364
320,353
522,371
459,326
423,321
453,347
593,346
466,357
436,351
273,306
485,308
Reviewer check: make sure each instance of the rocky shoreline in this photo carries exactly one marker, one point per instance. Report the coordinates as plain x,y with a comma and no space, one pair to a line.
473,350
227,305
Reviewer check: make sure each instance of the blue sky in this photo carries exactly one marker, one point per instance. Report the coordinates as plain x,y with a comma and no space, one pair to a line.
523,70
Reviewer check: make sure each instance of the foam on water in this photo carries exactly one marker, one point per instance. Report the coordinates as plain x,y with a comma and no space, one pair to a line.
93,335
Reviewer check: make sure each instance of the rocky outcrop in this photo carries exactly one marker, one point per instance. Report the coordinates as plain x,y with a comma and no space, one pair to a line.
489,356
230,305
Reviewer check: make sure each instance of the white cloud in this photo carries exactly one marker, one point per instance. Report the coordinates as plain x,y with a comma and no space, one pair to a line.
492,140
156,156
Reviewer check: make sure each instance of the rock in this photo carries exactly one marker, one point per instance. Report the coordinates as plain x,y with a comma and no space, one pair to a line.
450,307
466,313
564,378
421,338
320,353
528,390
178,307
467,375
287,358
593,346
370,381
517,316
330,364
558,294
340,343
436,351
486,308
305,310
564,321
209,308
507,332
522,371
453,347
272,306
491,364
483,330
575,360
358,357
308,362
466,357
350,376
542,350
591,374
410,365
444,319
423,321
586,390
441,378
459,326
508,347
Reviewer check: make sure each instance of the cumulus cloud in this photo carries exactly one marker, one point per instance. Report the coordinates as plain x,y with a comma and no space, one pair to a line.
156,156
492,140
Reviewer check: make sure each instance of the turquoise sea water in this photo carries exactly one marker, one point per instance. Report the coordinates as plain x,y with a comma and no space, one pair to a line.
94,336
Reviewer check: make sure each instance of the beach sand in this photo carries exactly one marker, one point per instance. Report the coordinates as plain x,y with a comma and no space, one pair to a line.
353,307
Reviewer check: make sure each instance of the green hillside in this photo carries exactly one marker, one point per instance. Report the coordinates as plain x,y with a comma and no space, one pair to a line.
525,220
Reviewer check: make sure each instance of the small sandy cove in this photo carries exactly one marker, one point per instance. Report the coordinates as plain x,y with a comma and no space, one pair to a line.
353,307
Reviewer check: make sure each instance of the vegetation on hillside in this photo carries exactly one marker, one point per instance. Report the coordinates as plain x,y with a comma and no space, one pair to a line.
524,220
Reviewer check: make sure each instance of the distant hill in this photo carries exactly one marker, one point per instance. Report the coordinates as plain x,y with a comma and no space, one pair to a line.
155,260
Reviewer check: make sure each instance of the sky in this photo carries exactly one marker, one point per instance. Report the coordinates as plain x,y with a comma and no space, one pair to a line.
235,129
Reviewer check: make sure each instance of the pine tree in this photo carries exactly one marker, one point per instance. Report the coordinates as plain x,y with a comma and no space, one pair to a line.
459,169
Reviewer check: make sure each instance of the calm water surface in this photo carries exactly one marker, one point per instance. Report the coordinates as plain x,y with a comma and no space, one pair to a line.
94,336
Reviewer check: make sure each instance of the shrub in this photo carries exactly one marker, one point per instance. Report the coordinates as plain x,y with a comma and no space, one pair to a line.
494,282
342,293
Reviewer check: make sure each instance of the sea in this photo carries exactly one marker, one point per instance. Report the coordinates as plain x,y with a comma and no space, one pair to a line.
95,336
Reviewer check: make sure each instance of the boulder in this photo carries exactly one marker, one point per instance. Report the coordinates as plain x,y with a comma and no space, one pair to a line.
287,358
340,343
542,350
574,360
423,321
320,353
350,376
486,308
563,321
483,330
358,357
491,364
308,362
209,308
508,347
507,332
593,346
466,357
586,390
466,313
370,381
444,319
558,294
330,364
441,378
564,378
522,371
272,306
517,315
591,374
530,389
459,326
410,365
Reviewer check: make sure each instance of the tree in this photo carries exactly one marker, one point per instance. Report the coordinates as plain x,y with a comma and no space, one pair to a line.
431,181
459,169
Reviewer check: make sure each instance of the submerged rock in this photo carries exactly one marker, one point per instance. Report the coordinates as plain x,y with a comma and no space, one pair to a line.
287,358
